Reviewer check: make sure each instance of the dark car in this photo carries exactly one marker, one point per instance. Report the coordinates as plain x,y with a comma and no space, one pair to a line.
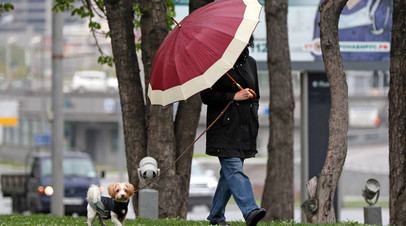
79,174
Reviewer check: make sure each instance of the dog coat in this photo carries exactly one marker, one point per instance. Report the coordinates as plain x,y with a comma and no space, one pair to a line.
108,204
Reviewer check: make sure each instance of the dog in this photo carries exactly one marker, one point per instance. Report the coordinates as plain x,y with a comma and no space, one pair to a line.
114,207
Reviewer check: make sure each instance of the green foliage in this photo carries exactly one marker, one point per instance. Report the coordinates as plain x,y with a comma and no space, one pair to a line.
170,12
82,12
106,60
6,7
63,5
41,219
137,15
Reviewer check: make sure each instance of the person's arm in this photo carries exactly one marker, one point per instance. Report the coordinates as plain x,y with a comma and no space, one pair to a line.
215,97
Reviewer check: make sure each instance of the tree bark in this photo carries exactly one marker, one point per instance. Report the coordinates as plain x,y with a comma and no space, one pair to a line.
397,117
186,123
120,20
338,122
160,127
278,196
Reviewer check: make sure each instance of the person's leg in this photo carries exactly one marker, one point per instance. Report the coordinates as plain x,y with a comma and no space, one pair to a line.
239,184
220,200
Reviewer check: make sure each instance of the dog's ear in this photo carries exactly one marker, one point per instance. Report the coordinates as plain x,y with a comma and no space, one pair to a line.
130,189
112,190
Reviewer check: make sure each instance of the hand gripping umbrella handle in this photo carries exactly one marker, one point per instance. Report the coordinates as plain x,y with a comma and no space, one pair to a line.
254,95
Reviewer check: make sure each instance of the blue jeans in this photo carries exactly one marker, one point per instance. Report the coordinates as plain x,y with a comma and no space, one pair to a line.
234,182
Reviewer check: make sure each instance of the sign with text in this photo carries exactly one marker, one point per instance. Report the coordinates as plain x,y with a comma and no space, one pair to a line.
8,113
364,30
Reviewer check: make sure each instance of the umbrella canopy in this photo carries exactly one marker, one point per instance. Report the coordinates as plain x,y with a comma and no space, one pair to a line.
201,49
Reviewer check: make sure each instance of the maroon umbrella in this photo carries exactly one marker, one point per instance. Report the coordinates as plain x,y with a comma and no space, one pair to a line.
201,49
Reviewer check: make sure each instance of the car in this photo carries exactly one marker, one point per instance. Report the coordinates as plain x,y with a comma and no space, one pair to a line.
93,81
79,174
363,116
203,185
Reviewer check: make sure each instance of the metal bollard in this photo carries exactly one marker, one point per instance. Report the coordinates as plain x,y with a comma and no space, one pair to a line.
372,213
148,203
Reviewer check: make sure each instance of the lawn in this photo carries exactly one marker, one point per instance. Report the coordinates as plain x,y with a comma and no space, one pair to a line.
41,219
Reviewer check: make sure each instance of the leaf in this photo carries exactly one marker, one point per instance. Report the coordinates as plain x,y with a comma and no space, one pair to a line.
6,7
106,60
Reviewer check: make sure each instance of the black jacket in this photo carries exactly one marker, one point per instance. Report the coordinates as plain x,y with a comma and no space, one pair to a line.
235,133
120,208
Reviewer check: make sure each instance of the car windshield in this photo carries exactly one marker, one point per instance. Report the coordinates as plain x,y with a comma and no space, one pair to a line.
80,167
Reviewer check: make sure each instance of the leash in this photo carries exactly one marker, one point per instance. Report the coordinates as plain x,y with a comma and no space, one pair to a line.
180,156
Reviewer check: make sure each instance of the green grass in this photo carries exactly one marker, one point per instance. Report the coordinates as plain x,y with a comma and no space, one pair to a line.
41,219
362,203
12,163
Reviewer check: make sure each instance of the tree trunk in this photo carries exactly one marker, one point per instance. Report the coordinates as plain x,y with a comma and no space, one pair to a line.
338,123
161,136
397,117
278,196
150,130
186,122
120,19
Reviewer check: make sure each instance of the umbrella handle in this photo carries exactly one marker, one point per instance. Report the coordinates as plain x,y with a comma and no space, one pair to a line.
254,95
176,22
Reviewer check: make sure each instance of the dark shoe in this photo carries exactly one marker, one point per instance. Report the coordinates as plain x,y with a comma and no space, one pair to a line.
254,216
219,223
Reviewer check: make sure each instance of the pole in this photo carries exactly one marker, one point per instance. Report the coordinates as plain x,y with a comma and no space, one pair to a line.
304,140
57,207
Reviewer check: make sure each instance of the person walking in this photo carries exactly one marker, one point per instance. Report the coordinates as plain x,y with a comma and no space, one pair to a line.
233,138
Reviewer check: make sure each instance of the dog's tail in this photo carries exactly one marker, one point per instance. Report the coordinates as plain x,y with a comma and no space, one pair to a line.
93,194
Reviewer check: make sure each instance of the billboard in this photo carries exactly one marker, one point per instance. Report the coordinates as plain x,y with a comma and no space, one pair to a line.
364,30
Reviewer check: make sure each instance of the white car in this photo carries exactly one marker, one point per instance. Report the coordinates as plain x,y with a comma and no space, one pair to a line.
93,81
203,184
363,116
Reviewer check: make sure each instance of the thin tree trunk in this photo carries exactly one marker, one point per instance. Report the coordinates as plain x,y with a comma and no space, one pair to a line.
187,120
120,19
161,136
397,117
141,121
338,123
278,196
186,123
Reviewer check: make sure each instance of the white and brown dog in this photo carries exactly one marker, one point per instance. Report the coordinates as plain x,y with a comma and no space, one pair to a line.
114,207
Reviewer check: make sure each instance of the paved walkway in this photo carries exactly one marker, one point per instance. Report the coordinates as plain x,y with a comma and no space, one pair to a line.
233,214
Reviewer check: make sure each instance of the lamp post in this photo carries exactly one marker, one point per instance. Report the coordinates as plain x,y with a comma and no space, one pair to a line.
372,213
57,206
